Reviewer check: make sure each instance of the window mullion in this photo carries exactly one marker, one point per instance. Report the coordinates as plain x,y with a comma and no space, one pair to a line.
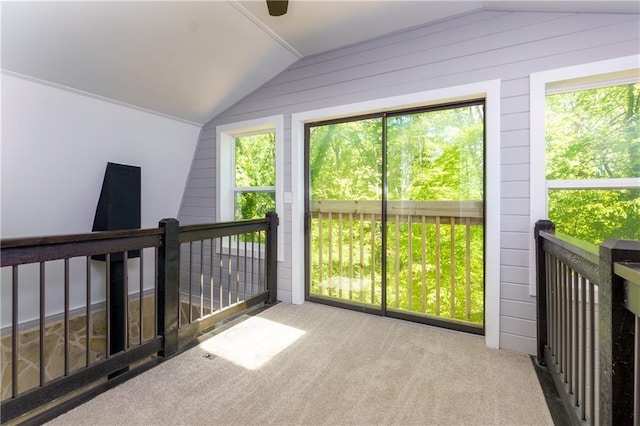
615,183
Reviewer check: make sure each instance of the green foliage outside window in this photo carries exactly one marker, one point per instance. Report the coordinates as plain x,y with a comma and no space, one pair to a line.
255,176
594,134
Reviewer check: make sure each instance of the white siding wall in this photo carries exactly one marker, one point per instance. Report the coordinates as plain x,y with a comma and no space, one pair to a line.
470,48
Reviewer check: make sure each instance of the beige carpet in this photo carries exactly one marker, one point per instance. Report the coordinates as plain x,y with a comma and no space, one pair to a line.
313,364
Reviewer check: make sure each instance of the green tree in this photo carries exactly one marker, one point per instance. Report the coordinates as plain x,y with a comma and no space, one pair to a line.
255,175
594,134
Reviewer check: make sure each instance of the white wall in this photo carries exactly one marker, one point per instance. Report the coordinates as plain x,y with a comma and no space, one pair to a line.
55,147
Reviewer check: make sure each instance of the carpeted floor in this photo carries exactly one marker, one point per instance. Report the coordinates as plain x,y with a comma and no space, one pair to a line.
312,364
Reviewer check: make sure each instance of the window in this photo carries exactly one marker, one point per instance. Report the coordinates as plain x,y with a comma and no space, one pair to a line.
254,186
593,162
585,151
249,171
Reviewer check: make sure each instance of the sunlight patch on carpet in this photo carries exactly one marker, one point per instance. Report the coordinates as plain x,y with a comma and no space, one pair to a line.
252,343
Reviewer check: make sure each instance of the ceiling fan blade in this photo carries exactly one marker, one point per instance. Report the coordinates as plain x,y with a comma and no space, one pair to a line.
277,7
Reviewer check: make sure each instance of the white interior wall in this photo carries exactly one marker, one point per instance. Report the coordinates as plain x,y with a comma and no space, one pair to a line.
55,148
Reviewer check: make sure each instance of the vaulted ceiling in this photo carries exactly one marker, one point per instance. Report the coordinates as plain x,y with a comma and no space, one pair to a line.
192,60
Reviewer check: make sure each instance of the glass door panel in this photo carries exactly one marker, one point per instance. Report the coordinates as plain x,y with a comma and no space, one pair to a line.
344,208
435,199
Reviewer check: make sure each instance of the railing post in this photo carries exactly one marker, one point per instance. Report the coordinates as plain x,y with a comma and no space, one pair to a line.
541,287
272,256
617,329
168,303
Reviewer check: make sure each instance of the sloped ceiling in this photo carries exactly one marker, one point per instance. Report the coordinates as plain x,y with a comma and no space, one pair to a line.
192,60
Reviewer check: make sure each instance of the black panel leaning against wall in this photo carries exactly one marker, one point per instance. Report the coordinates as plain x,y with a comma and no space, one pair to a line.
119,205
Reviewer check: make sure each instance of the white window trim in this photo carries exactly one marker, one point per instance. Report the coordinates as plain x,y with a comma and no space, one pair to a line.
225,137
490,91
579,77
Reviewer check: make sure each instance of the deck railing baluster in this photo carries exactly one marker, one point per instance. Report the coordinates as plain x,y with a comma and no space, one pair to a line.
409,263
340,276
330,254
397,261
452,255
320,259
373,258
437,265
467,266
423,259
361,263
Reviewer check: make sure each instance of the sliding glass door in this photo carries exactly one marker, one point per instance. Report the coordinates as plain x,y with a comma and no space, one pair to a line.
395,208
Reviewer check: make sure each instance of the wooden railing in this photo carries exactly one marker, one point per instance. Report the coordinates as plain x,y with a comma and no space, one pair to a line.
430,256
587,305
148,335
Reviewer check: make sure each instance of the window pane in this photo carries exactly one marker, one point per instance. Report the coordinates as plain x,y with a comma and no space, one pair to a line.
255,158
436,155
594,134
596,215
346,160
254,205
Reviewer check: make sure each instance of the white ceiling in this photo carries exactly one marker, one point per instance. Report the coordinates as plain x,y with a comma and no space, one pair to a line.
192,60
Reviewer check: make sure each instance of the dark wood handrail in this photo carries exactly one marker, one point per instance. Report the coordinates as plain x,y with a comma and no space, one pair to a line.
190,233
579,255
7,243
20,251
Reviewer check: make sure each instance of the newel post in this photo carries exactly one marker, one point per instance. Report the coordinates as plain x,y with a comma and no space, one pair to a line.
541,286
168,304
617,329
272,256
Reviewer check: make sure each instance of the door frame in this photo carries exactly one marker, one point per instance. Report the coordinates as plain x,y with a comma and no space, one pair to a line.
490,91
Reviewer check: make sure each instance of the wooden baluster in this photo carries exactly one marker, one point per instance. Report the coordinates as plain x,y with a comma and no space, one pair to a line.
361,238
373,257
397,260
350,256
452,248
467,237
410,263
320,244
437,265
424,265
330,283
340,275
